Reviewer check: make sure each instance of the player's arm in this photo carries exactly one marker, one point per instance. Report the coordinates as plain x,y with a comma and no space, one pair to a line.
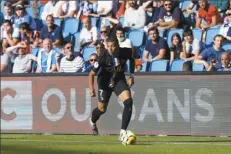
132,67
91,83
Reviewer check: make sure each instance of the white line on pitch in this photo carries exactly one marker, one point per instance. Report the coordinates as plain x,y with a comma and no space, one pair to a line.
117,142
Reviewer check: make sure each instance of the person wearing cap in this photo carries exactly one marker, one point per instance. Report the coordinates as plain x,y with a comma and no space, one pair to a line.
22,60
21,16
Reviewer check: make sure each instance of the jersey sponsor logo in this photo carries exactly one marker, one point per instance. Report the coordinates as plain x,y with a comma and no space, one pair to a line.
96,65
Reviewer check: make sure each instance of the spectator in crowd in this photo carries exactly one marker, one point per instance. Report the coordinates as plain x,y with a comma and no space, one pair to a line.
226,62
187,66
134,17
191,46
22,60
88,35
51,8
25,34
46,58
104,7
8,12
104,35
21,16
123,41
71,63
68,9
85,10
35,7
5,61
225,29
90,63
50,31
208,15
156,46
176,49
212,54
7,31
156,11
170,17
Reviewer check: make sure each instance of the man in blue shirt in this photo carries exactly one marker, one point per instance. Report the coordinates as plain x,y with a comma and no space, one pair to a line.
51,31
213,53
157,47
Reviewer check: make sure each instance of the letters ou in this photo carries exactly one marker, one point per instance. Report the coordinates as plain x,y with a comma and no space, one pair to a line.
155,110
119,116
204,105
60,114
184,110
74,113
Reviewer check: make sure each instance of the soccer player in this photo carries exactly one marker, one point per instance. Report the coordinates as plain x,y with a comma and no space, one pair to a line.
112,63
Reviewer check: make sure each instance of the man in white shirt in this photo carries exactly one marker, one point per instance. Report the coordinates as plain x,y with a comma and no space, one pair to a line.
134,17
68,9
88,35
123,41
51,8
104,7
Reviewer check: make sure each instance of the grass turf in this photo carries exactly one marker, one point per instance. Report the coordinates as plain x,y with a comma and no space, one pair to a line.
86,144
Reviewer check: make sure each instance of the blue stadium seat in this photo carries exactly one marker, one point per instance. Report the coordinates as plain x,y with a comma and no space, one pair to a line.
197,33
198,67
177,65
227,46
136,37
1,18
94,21
34,51
70,26
159,66
210,34
58,22
87,52
144,67
171,32
41,10
76,42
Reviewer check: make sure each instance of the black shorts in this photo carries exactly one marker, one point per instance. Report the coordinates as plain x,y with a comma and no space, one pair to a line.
104,92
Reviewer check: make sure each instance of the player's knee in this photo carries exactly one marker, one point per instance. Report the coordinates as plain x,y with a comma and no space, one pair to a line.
128,102
102,108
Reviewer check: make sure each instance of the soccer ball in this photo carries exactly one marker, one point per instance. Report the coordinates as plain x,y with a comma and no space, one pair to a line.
128,138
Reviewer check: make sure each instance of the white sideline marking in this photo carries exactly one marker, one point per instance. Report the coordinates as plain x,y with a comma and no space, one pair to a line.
117,142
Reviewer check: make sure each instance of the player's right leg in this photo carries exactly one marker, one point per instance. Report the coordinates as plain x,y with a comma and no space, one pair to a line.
103,96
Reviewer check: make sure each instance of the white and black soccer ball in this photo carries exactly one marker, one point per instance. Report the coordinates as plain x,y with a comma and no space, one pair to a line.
128,138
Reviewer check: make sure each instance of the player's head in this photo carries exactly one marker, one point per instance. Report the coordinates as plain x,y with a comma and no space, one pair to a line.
112,45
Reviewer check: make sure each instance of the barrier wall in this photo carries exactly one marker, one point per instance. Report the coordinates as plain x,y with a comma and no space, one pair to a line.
163,104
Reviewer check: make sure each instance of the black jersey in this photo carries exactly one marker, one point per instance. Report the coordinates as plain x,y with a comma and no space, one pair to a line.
110,65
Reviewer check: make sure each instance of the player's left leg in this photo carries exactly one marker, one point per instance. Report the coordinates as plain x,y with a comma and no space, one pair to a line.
123,92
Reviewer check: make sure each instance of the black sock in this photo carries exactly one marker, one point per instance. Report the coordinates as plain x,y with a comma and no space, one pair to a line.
127,113
96,113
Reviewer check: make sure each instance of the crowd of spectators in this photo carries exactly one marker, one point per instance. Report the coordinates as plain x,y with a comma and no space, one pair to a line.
22,31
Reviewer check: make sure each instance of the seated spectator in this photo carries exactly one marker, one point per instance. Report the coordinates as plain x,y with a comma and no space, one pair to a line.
88,35
50,31
208,15
176,49
226,62
46,58
123,41
7,38
21,16
103,36
104,7
213,53
134,17
5,62
22,60
51,8
224,29
90,63
156,46
191,46
8,12
68,9
71,63
156,11
171,17
85,10
25,34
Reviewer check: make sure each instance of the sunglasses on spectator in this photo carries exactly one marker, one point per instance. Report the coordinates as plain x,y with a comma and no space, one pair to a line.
103,32
92,60
69,47
167,4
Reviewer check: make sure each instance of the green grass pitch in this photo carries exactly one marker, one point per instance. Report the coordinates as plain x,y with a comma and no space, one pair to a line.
86,144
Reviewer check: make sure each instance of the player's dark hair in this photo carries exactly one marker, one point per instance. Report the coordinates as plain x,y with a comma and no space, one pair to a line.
113,40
